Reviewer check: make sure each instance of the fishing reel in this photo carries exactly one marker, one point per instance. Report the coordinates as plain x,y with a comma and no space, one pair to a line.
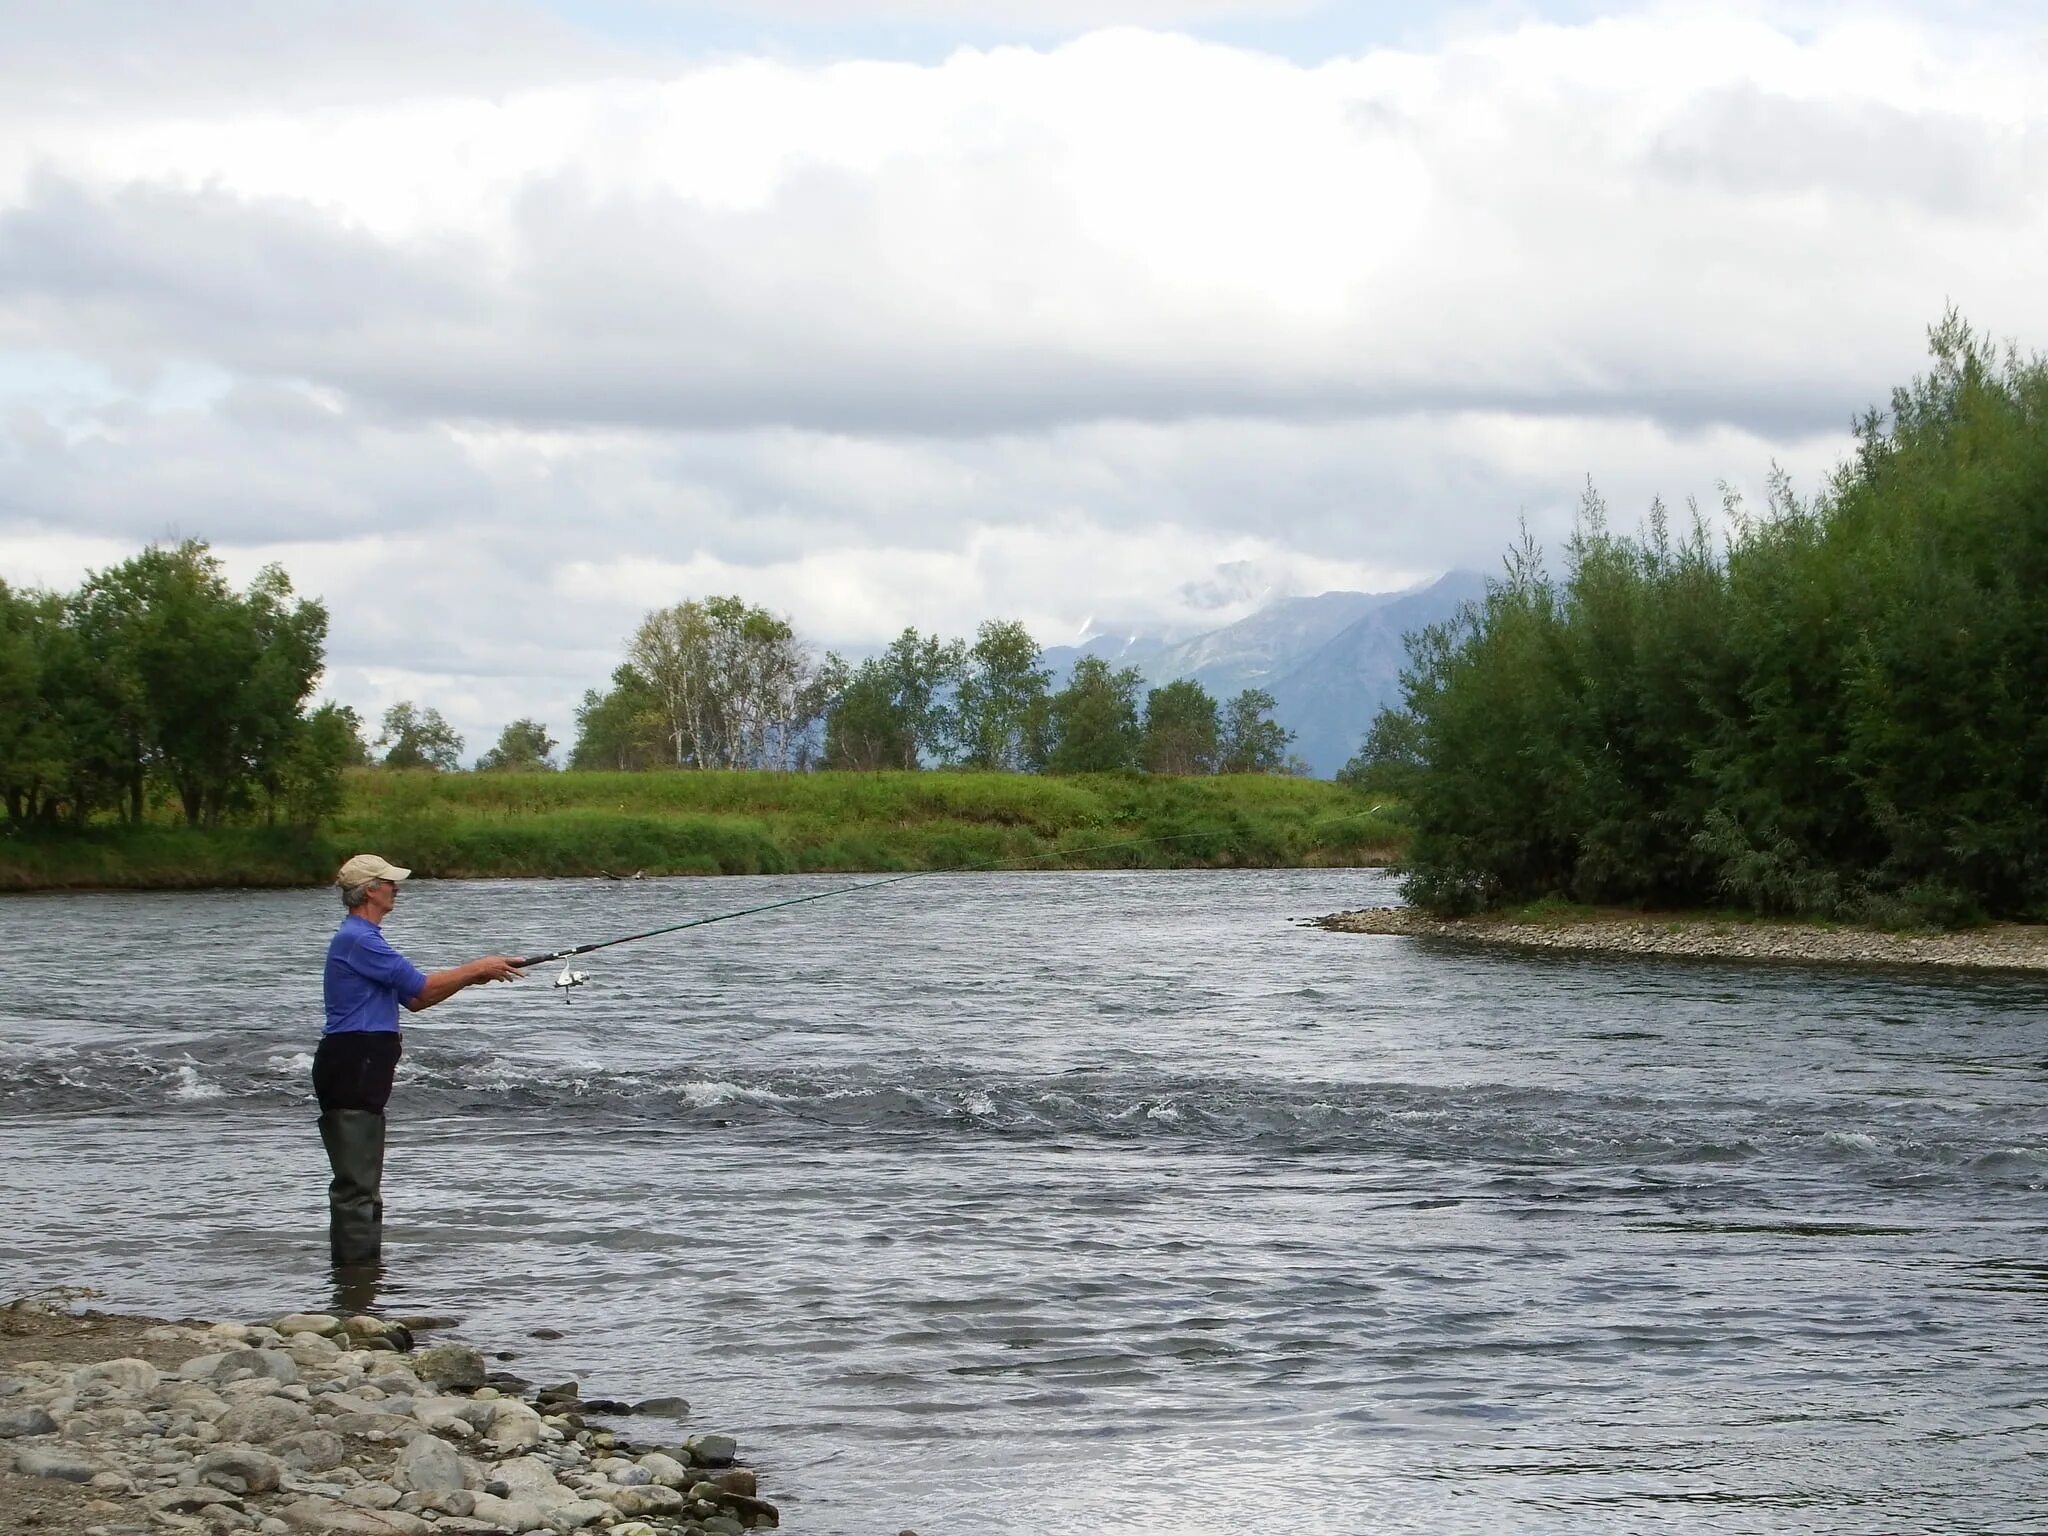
566,978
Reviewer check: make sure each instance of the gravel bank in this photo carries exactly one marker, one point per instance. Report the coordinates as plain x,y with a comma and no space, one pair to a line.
2004,947
312,1425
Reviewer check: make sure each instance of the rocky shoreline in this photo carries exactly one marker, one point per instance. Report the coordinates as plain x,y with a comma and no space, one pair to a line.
316,1425
2002,947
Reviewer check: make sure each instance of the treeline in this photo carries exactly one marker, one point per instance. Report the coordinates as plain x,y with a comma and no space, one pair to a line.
156,679
157,684
1837,713
719,684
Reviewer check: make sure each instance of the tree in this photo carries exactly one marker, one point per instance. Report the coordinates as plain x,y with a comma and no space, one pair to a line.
1000,703
865,727
620,729
309,784
1182,732
419,738
1252,741
733,685
1092,723
199,684
524,746
890,712
33,755
1389,760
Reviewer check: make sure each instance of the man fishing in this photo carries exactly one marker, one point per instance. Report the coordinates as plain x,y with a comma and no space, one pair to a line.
366,983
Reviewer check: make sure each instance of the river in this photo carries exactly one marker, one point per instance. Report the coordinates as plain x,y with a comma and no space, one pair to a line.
1110,1202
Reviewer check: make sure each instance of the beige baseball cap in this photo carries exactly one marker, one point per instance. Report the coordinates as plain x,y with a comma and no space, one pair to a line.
365,867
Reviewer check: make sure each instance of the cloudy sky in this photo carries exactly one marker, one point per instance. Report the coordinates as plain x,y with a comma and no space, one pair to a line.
499,322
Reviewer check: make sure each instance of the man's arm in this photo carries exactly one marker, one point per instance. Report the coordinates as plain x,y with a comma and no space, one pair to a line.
442,985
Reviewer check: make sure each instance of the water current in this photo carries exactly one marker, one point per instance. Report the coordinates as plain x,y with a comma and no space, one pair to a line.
1108,1202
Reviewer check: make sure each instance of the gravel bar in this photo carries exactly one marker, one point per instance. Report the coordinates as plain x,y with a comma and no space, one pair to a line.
2000,947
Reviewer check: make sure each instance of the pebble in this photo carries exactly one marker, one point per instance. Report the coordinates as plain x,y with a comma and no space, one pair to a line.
316,1425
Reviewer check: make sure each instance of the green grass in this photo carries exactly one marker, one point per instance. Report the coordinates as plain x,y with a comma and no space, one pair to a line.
471,825
165,858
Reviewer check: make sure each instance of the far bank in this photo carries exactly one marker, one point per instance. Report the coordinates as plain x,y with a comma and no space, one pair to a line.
496,825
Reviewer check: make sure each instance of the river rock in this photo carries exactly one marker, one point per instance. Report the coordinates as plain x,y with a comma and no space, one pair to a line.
450,1366
262,1420
510,1514
16,1422
514,1426
240,1364
667,1471
136,1377
312,1349
437,1416
326,1517
532,1481
253,1470
653,1499
55,1462
663,1407
459,1502
738,1480
712,1450
577,1514
312,1450
319,1323
427,1465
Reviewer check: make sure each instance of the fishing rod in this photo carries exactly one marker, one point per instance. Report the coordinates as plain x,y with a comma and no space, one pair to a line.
568,978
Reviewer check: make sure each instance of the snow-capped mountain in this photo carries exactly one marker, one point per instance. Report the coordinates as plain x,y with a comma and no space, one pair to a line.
1331,661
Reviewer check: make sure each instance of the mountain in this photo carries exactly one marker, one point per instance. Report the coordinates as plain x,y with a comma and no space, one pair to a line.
1330,661
1329,698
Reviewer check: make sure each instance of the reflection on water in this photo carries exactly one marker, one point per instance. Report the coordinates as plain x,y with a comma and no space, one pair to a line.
1108,1202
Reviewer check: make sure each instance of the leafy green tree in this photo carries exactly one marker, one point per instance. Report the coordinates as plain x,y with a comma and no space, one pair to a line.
33,756
1183,731
999,707
524,746
866,729
1093,721
203,686
310,781
419,738
621,728
1253,742
891,711
1389,760
1838,716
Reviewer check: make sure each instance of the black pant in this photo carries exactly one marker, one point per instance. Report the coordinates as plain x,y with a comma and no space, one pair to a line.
354,1071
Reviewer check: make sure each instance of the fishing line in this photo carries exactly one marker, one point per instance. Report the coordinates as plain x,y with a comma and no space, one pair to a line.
568,978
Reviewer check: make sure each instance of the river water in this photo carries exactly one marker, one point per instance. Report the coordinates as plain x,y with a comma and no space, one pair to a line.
1108,1202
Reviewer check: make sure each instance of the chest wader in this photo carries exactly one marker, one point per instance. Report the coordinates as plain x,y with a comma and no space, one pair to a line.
352,1079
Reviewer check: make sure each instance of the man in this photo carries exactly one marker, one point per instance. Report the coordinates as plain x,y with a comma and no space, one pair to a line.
367,981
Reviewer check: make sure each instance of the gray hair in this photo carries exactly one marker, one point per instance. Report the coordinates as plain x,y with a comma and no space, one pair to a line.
353,896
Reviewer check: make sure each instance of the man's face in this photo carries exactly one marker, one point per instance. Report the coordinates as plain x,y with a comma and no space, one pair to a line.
383,896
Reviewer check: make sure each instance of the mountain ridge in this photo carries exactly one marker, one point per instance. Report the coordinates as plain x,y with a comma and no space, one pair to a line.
1331,661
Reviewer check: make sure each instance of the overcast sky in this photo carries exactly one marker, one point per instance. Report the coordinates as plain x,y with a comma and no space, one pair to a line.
499,323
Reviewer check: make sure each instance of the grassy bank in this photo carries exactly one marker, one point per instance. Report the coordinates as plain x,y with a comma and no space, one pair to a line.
468,825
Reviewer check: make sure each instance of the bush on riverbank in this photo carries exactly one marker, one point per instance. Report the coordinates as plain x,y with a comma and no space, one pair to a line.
478,824
1836,717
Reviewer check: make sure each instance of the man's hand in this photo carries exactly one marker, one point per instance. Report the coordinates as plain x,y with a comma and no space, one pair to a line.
442,985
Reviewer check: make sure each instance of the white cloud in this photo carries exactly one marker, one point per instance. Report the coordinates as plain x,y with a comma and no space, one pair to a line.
524,344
